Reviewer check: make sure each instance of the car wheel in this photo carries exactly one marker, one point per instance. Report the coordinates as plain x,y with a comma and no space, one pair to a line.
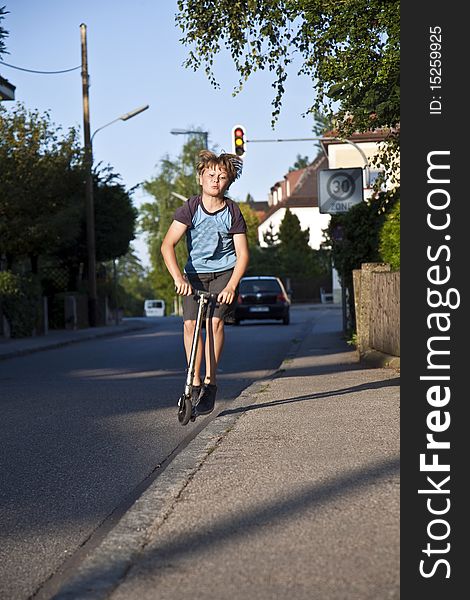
236,322
286,320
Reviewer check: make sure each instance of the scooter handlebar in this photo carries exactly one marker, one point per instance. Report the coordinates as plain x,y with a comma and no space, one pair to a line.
203,294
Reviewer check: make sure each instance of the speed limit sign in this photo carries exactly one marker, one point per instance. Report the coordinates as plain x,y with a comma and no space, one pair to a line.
339,189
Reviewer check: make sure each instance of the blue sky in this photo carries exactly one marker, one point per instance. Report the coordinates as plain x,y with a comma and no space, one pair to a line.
135,58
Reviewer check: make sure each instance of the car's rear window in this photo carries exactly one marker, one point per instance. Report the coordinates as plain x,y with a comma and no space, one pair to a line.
262,285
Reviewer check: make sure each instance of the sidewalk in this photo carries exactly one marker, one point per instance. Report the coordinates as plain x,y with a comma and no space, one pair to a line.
11,347
291,494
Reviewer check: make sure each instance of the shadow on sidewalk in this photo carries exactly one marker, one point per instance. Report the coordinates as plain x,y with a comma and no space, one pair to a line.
234,527
372,385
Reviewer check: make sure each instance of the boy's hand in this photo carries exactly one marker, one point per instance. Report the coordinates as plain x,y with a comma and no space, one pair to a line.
227,295
182,287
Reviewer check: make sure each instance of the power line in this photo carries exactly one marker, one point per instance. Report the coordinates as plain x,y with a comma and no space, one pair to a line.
40,72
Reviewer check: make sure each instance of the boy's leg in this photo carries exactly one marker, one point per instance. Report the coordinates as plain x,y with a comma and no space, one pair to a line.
215,327
190,310
213,350
215,336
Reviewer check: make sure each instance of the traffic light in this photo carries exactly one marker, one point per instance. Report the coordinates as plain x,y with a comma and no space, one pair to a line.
238,140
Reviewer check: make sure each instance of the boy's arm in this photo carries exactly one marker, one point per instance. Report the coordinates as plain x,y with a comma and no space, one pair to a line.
173,235
227,295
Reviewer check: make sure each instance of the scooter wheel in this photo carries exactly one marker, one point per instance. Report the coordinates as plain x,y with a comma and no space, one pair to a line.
185,408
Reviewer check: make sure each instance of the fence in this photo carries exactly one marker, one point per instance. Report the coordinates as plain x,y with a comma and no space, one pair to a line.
377,306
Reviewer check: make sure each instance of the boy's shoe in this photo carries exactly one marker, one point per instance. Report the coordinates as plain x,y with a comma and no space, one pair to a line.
206,402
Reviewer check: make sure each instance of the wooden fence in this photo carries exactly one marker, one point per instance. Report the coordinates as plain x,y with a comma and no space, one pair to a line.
377,306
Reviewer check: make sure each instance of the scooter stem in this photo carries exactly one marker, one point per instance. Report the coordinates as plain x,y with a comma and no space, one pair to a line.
192,358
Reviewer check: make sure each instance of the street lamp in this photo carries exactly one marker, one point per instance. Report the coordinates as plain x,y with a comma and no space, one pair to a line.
190,132
90,211
124,117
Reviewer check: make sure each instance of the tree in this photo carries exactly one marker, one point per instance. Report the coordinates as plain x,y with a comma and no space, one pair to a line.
252,222
297,258
41,183
133,285
300,163
178,176
349,51
270,238
115,223
354,238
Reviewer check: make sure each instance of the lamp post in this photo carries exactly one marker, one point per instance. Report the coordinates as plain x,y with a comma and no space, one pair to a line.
90,210
124,117
191,132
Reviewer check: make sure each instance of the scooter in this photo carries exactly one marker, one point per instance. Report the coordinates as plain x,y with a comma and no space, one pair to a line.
186,409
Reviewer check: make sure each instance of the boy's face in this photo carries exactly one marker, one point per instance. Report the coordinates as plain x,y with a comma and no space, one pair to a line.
214,181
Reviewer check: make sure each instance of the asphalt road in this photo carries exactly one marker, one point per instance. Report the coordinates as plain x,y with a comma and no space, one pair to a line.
85,427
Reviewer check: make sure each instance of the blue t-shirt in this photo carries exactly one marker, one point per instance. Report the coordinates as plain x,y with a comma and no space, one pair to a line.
210,235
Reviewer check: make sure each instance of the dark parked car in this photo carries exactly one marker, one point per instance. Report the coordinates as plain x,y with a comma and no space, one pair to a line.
262,297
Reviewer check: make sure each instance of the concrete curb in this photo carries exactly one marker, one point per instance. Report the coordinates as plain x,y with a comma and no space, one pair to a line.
60,343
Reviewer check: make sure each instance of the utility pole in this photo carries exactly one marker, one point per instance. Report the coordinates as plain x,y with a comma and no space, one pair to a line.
90,209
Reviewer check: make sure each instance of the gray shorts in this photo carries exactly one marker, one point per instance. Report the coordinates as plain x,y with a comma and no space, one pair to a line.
210,282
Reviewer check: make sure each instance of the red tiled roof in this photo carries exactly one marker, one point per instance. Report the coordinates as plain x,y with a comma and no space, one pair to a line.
365,136
304,193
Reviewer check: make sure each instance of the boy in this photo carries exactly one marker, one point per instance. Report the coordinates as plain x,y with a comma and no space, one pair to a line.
218,257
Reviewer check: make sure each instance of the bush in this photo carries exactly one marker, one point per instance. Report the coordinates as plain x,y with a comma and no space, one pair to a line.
390,238
20,300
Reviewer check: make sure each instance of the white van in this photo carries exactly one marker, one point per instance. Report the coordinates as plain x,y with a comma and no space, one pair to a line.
154,308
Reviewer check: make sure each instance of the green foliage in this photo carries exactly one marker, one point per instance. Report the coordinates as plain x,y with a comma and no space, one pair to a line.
353,237
297,258
252,222
41,183
115,218
175,176
300,163
115,222
20,298
289,254
350,51
133,285
264,261
389,238
42,196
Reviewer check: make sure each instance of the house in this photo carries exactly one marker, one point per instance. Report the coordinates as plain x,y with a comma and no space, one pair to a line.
7,90
260,207
298,193
358,151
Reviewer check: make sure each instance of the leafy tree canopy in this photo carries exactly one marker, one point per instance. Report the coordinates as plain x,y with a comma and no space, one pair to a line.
349,50
175,181
115,221
41,180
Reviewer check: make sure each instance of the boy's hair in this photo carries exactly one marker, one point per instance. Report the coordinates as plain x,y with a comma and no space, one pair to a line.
232,163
